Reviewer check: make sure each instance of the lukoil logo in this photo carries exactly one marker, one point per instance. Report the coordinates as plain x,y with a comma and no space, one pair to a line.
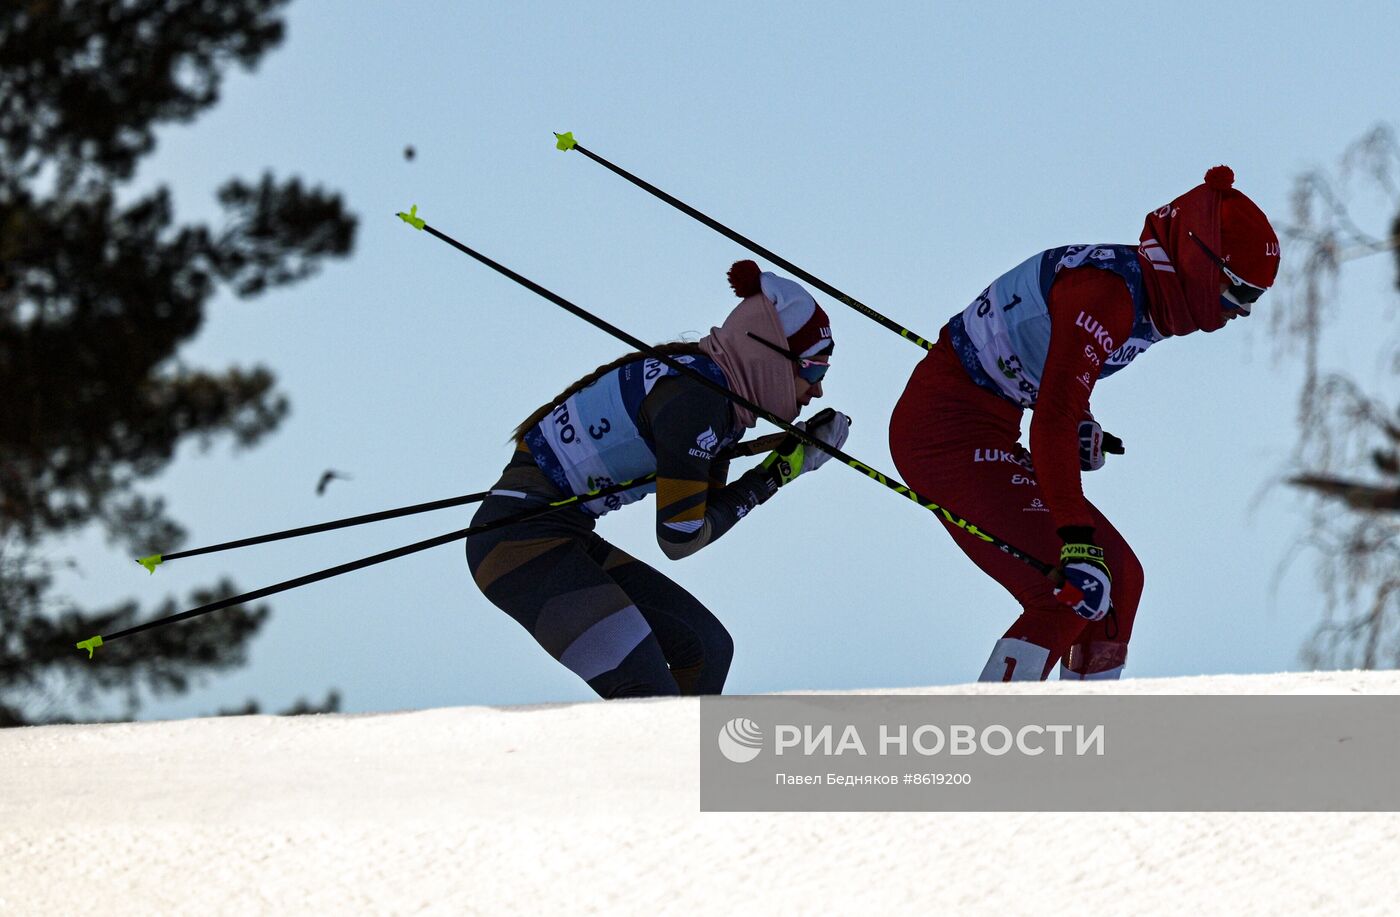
740,740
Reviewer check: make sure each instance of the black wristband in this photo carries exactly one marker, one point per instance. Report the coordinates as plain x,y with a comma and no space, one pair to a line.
1077,534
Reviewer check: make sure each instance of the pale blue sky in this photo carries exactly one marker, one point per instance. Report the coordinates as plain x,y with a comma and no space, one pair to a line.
906,153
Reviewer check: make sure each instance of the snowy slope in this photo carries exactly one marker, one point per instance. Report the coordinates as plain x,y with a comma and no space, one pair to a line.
593,807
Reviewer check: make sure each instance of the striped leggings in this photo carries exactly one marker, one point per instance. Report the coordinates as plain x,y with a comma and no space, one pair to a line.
621,626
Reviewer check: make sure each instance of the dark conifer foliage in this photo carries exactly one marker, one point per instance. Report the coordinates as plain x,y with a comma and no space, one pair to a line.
100,287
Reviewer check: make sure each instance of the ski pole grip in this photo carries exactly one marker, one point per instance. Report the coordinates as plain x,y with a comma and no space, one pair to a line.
754,447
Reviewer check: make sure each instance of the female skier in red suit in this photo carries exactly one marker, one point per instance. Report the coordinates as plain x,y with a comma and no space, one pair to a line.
1040,337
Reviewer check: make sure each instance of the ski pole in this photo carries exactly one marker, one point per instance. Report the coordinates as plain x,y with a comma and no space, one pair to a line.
412,219
567,142
753,447
155,560
93,643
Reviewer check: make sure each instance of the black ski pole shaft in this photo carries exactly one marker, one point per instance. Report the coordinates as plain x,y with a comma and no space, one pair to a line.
93,643
894,484
155,560
567,142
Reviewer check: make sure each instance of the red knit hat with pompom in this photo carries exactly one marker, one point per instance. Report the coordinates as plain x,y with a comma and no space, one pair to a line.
1247,241
744,278
1183,282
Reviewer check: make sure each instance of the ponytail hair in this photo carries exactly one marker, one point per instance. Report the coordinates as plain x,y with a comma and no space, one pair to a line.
672,349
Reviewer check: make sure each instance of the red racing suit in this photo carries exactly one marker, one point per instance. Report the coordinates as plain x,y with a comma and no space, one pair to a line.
954,436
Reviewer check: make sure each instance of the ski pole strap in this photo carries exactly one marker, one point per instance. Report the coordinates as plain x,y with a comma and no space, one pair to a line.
1087,553
567,142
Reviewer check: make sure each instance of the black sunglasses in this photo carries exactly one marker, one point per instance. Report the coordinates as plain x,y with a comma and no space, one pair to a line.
1240,294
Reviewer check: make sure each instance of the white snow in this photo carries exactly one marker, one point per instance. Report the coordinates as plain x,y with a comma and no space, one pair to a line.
594,807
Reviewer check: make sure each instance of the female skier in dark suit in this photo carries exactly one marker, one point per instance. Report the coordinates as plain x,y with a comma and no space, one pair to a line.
620,625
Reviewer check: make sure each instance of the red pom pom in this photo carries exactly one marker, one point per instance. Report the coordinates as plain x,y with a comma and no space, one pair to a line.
743,279
1220,178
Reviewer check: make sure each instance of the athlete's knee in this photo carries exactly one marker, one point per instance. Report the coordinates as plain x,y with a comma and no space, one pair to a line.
719,655
707,674
1117,628
1128,578
719,647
